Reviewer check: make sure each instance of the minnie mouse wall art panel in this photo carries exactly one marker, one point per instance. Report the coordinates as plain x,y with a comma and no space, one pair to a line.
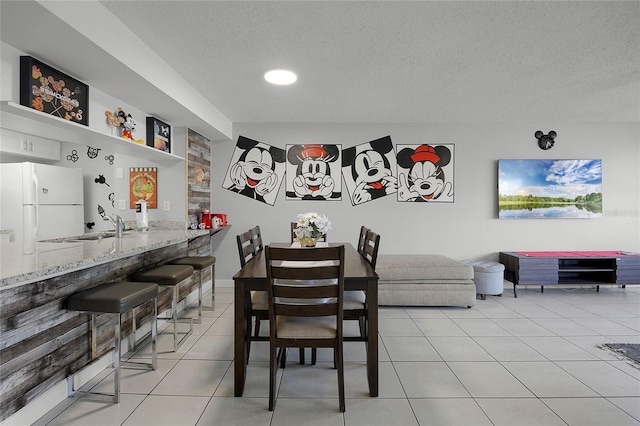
369,170
425,173
256,170
313,172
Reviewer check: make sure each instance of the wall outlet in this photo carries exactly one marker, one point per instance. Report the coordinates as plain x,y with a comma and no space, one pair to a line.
166,206
119,173
122,205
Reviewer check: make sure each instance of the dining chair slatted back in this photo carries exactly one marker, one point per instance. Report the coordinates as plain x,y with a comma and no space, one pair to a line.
258,308
245,247
361,237
370,247
294,238
256,238
355,302
305,290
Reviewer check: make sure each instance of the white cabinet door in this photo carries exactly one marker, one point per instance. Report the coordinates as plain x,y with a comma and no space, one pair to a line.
13,142
29,146
43,148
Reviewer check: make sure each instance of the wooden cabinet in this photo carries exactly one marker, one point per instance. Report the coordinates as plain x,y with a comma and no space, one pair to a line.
586,270
29,146
570,268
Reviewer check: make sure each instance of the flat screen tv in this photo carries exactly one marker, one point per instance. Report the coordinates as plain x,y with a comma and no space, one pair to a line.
549,189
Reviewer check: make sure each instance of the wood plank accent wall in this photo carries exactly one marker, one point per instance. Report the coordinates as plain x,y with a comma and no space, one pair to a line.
198,175
42,343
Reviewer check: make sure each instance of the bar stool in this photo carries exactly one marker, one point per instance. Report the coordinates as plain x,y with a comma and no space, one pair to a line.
115,299
200,263
169,276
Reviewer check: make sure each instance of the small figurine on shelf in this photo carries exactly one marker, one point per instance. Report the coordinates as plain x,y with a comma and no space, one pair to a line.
128,126
112,120
125,121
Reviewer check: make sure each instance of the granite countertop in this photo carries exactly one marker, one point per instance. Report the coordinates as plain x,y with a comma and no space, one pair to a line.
22,263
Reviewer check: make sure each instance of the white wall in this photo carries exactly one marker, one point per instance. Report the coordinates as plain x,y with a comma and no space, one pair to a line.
469,227
171,173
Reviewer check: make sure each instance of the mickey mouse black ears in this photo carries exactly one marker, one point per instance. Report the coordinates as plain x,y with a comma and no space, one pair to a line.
545,141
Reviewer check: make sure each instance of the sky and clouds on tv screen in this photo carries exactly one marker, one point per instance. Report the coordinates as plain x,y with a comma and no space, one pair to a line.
549,178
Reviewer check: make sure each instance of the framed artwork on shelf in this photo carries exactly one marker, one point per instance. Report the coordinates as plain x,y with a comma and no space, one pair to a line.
53,92
158,134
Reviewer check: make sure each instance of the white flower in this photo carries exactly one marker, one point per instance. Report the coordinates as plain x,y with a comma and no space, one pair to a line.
312,225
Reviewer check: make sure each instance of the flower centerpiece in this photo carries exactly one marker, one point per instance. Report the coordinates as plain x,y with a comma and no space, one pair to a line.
311,227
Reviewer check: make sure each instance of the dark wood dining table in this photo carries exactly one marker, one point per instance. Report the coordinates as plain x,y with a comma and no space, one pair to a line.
359,275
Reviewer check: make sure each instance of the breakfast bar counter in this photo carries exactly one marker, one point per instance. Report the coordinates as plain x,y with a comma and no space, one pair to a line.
41,342
22,263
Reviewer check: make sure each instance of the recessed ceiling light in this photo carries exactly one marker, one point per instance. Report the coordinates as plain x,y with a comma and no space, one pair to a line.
280,77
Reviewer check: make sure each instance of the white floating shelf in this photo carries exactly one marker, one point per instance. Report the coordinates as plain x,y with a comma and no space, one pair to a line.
22,119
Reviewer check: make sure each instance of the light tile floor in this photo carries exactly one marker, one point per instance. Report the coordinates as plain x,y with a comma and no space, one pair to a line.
533,360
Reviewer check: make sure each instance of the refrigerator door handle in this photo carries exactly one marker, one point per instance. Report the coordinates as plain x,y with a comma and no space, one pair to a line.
34,178
36,223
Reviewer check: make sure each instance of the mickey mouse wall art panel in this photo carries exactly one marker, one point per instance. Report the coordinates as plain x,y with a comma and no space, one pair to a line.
369,170
256,170
426,173
313,172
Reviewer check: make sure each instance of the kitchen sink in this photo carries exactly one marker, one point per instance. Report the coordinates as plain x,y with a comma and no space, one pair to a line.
93,236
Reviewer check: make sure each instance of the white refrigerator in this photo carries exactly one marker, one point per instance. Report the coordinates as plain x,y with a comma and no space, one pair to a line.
40,201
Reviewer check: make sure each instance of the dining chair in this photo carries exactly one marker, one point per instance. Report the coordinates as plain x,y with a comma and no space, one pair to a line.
256,238
249,245
294,238
370,247
363,234
245,247
355,301
305,292
259,308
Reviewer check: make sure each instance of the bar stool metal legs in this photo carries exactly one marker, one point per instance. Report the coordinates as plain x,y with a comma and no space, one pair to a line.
174,317
170,276
115,299
200,264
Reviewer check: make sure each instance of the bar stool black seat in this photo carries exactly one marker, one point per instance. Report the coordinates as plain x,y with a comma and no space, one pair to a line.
115,298
200,263
169,276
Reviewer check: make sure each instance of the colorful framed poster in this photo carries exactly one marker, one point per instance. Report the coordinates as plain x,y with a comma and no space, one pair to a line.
158,134
143,185
549,189
53,92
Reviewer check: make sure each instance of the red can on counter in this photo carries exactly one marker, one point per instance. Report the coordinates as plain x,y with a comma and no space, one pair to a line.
206,219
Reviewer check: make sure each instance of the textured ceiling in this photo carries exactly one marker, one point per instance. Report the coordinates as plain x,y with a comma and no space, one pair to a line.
366,61
425,61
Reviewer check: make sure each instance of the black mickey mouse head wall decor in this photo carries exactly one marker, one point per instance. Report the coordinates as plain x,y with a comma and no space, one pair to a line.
546,141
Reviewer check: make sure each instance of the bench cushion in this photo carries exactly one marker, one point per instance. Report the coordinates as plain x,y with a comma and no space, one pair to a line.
418,268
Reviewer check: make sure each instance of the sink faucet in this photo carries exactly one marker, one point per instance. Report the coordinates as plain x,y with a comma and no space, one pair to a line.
117,223
115,220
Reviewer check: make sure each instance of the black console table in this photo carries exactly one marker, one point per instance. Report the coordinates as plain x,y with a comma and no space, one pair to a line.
571,267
